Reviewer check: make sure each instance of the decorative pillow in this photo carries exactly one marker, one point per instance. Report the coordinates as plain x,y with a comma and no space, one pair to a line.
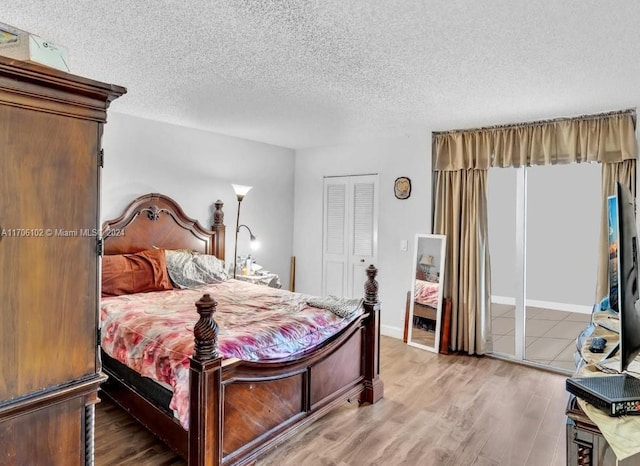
135,273
187,268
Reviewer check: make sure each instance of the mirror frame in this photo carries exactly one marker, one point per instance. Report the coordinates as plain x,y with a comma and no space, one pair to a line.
414,263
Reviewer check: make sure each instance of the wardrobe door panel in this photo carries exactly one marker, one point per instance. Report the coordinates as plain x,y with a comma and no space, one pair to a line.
48,261
56,433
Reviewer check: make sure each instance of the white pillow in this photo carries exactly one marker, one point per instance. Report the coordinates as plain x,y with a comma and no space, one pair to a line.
188,269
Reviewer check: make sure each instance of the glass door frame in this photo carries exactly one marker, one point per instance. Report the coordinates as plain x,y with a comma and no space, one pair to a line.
521,264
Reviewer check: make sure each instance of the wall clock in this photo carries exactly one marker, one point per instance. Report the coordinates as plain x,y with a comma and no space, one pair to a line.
402,187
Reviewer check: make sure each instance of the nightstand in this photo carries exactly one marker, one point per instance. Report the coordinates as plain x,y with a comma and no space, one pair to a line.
267,279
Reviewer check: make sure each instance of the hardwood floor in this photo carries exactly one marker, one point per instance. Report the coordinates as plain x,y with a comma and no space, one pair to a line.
423,337
437,410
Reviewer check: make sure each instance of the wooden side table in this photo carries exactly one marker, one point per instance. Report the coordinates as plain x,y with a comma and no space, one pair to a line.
585,443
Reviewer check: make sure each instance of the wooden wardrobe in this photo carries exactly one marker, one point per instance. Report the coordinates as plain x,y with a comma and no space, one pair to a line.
50,156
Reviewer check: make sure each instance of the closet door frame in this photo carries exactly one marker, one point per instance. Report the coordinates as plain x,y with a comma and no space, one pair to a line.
342,266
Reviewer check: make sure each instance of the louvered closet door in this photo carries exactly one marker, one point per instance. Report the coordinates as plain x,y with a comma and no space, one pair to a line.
350,233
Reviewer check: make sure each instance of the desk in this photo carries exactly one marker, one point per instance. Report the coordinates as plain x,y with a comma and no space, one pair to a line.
586,445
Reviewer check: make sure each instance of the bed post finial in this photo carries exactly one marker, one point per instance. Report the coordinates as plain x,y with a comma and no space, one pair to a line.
206,330
217,246
205,390
371,285
218,214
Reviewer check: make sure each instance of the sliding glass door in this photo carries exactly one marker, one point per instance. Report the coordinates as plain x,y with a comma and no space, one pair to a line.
544,232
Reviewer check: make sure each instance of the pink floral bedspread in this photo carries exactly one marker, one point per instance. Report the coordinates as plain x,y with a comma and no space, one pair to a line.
427,293
152,333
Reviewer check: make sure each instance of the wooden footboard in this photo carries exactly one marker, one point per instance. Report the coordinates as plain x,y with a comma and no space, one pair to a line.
245,408
422,310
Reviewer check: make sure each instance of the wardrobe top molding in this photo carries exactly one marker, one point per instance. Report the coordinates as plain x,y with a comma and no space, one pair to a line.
30,85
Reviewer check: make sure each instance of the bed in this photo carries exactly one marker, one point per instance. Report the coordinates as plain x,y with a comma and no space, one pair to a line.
236,409
426,299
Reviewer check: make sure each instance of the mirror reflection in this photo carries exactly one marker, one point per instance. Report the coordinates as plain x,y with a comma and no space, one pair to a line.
426,291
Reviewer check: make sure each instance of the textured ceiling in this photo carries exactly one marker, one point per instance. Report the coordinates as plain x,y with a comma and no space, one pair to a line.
312,73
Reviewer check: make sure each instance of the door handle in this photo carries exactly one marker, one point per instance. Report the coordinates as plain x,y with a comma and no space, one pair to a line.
361,260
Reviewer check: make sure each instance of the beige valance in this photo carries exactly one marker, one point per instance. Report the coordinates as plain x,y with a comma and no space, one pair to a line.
606,138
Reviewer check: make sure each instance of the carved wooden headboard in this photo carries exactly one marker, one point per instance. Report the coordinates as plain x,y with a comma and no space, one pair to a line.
157,221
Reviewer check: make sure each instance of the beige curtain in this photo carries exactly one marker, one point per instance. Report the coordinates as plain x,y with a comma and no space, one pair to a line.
606,138
461,161
461,214
625,173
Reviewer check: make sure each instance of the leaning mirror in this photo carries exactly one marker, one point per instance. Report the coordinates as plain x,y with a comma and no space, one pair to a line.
425,308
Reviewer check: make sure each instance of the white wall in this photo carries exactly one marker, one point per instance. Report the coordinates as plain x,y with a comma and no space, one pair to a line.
399,219
195,168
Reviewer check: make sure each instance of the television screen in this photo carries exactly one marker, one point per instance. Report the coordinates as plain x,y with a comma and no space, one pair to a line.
627,277
607,391
614,237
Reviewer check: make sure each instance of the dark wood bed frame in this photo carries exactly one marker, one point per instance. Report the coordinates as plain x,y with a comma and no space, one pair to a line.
239,409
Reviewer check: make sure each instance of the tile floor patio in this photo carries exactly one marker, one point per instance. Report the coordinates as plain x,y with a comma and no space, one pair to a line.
550,334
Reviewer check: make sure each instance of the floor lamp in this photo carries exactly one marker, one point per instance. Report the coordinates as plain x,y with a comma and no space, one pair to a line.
241,191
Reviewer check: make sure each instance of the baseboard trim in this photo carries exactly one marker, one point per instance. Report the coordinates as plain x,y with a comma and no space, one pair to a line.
393,332
579,308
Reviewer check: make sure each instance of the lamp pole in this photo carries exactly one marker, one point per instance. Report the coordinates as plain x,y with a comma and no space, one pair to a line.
235,248
241,191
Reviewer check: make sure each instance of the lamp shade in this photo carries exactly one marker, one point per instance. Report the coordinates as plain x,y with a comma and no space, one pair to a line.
426,260
240,190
